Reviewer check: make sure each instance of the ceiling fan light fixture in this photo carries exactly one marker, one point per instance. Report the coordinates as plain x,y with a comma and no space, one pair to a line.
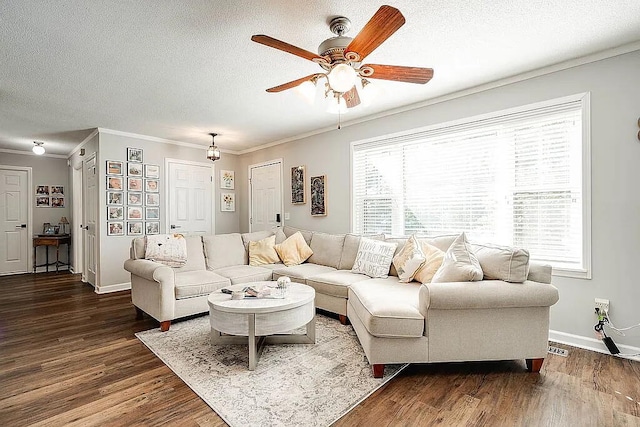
368,92
308,90
336,104
213,152
342,77
38,148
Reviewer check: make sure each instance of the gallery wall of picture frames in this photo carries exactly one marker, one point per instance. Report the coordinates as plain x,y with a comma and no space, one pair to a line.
133,196
50,196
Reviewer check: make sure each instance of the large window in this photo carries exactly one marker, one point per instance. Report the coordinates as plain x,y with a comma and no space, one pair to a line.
519,177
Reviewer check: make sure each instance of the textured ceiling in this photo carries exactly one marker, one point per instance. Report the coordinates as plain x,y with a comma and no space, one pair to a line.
180,69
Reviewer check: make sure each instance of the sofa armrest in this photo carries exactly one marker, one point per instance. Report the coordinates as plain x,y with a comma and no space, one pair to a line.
150,270
485,294
539,272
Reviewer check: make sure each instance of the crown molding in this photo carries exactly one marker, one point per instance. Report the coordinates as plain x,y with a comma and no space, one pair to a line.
31,153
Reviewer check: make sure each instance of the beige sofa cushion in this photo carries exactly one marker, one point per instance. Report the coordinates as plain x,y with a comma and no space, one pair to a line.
290,231
388,308
350,249
374,258
224,250
327,249
255,236
196,283
263,251
294,250
244,273
460,263
301,272
502,262
335,283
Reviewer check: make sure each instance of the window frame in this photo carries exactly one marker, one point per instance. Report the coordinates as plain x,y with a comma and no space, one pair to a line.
583,98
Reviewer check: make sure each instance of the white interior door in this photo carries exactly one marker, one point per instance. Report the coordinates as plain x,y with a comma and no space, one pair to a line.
265,183
90,219
14,220
190,197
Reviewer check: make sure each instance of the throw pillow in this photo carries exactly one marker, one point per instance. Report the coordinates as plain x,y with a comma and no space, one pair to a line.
263,251
460,263
294,250
433,260
409,260
502,262
167,249
374,258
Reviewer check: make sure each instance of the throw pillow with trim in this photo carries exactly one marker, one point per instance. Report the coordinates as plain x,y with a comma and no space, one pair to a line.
409,260
433,260
263,251
167,249
460,264
294,250
374,258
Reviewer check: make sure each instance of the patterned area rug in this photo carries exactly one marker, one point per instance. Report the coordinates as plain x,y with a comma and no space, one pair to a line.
293,384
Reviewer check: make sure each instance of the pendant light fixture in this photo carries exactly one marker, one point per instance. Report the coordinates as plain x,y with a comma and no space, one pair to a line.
213,152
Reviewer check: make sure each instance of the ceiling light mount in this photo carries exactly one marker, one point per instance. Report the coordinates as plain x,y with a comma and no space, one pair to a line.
213,152
38,148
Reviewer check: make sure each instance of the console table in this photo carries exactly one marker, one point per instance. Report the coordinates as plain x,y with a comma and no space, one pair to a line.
56,240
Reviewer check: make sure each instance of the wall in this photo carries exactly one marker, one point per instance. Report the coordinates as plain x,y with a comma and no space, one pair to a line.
114,250
45,171
615,207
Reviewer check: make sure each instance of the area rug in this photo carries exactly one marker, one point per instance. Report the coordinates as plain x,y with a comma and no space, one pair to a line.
293,384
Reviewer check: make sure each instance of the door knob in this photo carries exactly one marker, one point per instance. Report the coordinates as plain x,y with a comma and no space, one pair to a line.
277,217
21,226
174,226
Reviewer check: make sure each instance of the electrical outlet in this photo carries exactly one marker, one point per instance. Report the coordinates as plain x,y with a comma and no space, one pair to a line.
602,304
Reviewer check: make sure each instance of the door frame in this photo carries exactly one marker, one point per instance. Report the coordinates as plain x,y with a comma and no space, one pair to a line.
167,210
30,198
279,161
77,215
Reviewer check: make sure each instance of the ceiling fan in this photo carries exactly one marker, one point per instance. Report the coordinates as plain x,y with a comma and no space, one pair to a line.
341,57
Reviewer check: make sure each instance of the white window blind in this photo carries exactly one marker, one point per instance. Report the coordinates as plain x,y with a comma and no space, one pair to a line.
514,179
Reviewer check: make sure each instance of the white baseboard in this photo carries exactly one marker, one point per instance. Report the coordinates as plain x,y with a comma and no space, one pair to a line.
592,344
116,287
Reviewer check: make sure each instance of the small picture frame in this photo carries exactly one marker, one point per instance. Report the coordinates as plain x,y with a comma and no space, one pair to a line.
114,167
152,199
57,190
151,185
115,213
151,213
115,228
151,171
227,180
134,199
134,154
115,197
134,184
115,183
57,202
227,202
43,202
152,227
134,228
134,169
297,186
42,190
318,196
134,212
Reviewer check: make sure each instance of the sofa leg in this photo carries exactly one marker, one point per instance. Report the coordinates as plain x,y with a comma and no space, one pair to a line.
534,365
378,370
164,326
139,313
343,319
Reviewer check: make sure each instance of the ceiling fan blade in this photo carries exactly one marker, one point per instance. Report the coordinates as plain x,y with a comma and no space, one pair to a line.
398,73
292,84
351,97
286,47
380,27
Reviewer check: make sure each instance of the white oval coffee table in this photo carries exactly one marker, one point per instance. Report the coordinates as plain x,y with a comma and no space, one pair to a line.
262,320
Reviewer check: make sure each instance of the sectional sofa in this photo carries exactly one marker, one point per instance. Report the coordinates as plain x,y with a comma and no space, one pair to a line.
395,322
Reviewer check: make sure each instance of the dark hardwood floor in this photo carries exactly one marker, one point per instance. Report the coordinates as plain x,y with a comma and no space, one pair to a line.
69,357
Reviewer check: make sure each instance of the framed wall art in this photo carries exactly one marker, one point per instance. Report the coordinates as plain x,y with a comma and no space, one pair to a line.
153,227
227,202
115,197
115,213
318,196
43,202
57,190
151,185
134,212
152,199
57,202
297,185
114,183
151,171
227,180
134,199
134,228
151,213
134,184
134,169
134,154
114,167
115,228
